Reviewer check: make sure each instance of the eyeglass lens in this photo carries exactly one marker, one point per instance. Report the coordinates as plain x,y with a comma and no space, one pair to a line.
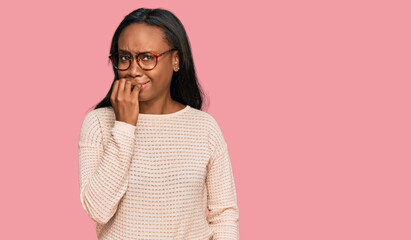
122,61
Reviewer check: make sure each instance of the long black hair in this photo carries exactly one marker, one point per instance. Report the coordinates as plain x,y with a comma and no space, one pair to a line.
184,86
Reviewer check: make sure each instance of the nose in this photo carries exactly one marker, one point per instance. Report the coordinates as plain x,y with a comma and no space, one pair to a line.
135,69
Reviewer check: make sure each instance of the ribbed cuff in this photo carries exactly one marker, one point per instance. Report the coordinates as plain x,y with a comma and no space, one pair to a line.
125,126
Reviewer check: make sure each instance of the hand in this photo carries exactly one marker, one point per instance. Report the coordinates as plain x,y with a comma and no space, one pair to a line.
124,100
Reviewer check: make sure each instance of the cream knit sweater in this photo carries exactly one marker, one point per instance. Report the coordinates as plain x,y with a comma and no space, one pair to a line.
155,180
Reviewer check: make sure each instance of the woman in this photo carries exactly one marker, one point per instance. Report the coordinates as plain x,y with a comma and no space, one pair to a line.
151,162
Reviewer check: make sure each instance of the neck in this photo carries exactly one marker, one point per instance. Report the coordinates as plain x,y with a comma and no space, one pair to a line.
162,105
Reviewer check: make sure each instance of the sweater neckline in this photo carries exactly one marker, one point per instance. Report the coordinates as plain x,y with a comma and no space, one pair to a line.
167,115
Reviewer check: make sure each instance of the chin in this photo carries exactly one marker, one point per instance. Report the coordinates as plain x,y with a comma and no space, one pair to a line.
142,98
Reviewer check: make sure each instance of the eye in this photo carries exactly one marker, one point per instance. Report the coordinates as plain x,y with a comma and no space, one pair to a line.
124,57
147,57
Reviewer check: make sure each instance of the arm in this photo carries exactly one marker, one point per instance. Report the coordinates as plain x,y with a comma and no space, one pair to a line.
223,214
104,171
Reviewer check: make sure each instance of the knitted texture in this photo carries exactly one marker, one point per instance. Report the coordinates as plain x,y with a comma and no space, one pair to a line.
155,180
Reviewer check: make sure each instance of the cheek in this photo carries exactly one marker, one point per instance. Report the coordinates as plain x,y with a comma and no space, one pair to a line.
121,74
160,76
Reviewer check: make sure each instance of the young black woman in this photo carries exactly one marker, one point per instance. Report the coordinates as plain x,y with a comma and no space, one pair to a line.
151,162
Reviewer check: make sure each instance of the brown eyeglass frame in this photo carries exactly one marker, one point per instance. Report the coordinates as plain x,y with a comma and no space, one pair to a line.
136,58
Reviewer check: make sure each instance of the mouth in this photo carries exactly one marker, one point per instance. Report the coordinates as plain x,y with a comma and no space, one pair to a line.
143,85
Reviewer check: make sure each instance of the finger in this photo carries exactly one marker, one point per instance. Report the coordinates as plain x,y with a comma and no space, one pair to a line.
136,91
114,92
127,88
121,86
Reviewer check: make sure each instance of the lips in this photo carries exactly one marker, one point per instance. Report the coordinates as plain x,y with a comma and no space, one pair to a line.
143,85
143,82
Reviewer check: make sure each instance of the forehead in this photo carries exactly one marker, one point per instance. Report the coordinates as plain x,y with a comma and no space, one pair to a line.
139,37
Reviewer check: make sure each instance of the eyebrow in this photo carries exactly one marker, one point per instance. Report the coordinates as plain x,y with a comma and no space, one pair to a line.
122,50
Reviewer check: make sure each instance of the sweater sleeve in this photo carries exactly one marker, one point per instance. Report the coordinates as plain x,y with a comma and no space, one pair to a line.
104,170
223,214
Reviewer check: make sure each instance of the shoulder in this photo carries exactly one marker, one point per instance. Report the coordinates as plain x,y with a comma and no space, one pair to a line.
205,119
101,117
215,137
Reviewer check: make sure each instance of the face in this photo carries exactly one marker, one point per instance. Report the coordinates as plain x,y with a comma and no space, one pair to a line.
140,37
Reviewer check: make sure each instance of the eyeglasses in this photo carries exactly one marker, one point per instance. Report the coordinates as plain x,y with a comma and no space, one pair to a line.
146,60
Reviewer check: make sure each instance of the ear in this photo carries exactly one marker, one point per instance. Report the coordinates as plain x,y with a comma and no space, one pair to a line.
176,61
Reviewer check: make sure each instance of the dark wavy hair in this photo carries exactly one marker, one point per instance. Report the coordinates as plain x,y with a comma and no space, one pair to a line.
184,86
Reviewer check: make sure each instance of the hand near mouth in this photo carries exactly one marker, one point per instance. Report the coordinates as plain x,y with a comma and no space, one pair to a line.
142,84
124,100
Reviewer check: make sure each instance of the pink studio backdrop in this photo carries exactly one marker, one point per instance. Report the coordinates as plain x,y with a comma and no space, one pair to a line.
313,100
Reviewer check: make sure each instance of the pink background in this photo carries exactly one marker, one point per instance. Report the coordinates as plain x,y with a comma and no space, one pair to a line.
313,101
